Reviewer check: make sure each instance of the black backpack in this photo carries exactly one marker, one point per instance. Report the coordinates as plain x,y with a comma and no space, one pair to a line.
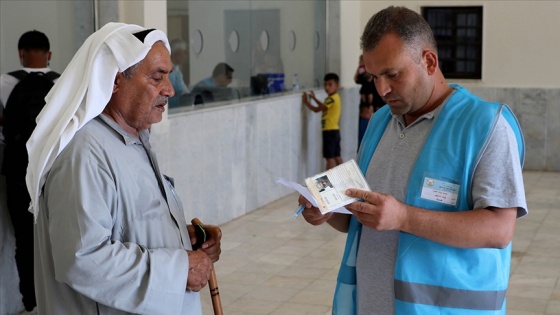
25,102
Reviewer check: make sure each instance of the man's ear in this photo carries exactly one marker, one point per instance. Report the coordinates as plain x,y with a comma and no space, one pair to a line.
430,58
118,79
21,54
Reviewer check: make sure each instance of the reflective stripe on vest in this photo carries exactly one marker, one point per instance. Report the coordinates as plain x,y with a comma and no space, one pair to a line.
448,297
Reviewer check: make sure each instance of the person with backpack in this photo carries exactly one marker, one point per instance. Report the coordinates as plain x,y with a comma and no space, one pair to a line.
22,97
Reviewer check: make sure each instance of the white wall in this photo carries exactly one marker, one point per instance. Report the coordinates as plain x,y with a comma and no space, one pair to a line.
350,30
54,18
521,44
146,13
520,40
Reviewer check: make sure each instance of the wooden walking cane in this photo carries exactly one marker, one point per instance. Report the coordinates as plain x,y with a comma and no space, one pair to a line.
213,281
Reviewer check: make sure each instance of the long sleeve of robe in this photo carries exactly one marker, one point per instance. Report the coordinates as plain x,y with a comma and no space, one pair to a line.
109,240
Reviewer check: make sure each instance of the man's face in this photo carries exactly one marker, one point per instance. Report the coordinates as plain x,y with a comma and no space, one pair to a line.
179,56
223,80
403,83
330,87
139,101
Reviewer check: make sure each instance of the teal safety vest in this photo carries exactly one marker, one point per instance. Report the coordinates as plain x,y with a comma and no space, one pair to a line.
432,278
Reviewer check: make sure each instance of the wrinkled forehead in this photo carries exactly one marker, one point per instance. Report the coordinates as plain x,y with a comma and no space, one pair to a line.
159,56
387,54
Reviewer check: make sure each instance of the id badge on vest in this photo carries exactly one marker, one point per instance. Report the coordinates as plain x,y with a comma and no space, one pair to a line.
440,190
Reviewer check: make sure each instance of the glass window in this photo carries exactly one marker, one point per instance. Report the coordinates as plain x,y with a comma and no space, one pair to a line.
458,33
237,50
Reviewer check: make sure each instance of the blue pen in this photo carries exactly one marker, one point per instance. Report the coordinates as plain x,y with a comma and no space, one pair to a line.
298,212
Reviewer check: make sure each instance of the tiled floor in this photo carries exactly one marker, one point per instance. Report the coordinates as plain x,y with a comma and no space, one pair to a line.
271,264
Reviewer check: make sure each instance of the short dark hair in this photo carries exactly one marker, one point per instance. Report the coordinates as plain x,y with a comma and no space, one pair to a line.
222,68
410,26
34,40
331,76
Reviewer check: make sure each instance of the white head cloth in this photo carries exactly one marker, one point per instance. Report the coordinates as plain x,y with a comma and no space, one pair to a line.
81,93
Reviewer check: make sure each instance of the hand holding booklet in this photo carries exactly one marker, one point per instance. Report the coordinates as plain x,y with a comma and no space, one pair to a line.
326,190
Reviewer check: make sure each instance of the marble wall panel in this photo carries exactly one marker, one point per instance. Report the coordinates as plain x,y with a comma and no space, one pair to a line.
553,130
350,99
312,149
262,162
488,94
509,96
532,114
251,160
534,133
538,113
226,161
294,134
533,101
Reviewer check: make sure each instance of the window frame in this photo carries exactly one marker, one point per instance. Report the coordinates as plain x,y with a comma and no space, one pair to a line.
452,37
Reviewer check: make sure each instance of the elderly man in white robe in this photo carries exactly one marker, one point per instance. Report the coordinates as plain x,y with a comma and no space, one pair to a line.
111,236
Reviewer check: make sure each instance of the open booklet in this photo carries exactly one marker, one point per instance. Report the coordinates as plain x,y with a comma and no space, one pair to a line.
326,190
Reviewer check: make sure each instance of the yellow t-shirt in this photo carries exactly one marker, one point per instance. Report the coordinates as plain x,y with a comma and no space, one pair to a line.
331,115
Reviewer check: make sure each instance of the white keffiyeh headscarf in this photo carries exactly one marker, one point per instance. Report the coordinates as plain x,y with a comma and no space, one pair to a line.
81,93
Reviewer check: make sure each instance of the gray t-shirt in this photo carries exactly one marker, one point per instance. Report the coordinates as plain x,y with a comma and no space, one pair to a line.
111,235
494,184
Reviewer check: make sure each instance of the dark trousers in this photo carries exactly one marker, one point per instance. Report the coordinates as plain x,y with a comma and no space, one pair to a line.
18,203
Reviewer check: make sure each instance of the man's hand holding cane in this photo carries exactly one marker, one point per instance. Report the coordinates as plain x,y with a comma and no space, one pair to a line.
207,238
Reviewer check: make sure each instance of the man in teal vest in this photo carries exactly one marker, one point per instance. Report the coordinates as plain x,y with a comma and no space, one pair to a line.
445,168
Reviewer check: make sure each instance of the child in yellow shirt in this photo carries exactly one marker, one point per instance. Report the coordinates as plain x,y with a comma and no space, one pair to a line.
329,122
